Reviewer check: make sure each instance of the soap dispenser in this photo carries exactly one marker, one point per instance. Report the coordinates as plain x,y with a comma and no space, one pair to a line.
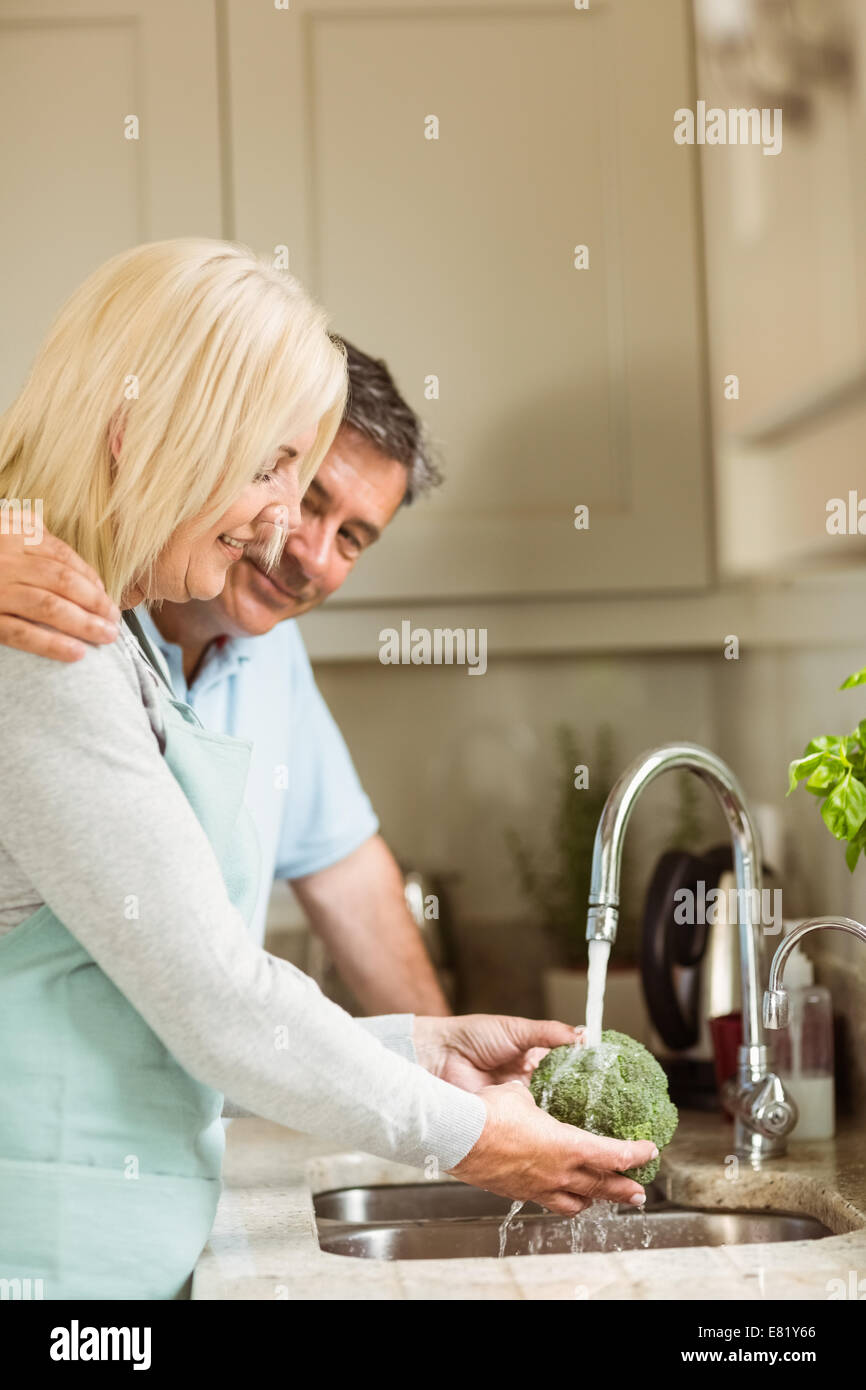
804,1050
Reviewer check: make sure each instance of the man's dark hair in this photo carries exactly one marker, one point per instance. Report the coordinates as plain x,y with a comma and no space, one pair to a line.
376,410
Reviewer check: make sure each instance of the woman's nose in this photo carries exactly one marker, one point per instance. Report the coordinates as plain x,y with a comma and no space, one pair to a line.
286,513
272,529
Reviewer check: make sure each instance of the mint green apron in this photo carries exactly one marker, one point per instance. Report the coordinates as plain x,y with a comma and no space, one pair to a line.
110,1153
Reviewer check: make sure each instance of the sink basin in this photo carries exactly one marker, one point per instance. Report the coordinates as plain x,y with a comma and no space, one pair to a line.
435,1221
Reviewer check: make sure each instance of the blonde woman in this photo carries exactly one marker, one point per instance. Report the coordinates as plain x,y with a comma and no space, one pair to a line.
179,405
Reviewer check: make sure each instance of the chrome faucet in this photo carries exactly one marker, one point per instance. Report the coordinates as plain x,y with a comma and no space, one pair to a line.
775,996
763,1113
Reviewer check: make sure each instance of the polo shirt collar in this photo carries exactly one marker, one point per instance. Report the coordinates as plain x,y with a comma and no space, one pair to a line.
223,658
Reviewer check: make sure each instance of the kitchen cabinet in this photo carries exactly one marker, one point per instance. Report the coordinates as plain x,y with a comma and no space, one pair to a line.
80,180
786,277
431,170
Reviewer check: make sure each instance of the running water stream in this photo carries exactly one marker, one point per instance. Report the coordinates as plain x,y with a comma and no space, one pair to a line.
596,979
503,1229
595,1217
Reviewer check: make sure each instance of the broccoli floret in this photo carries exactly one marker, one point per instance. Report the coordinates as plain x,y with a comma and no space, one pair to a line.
617,1089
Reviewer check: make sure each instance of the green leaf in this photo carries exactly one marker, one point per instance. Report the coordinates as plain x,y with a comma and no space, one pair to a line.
856,847
825,776
857,746
858,678
802,767
825,743
844,811
820,792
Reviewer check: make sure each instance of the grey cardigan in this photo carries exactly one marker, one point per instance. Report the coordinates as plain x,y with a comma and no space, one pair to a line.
90,814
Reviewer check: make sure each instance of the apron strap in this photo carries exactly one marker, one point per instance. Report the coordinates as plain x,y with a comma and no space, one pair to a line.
131,619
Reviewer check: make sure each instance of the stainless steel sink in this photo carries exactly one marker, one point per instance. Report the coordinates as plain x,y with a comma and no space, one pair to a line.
435,1221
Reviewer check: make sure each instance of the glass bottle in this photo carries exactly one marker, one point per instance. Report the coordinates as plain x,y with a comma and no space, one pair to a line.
804,1050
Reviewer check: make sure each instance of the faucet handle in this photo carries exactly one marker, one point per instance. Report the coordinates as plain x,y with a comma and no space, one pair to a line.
772,1111
762,1105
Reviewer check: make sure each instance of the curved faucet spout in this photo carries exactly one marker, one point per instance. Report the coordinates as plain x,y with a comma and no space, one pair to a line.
603,913
776,996
763,1113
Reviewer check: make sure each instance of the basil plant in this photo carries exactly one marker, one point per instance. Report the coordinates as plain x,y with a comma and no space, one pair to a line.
834,769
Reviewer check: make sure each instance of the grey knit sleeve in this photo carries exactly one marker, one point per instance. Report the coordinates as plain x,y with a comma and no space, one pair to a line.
91,815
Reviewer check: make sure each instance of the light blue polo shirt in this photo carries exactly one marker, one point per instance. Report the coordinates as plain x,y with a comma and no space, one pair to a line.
304,794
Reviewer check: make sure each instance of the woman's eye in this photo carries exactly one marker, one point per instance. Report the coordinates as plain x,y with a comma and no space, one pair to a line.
263,477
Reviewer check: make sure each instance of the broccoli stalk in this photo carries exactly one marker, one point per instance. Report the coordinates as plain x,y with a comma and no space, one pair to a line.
617,1089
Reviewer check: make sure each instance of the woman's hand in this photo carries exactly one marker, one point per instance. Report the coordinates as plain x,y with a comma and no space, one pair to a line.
525,1154
51,602
478,1050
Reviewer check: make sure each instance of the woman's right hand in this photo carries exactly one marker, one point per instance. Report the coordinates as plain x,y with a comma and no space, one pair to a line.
525,1154
51,602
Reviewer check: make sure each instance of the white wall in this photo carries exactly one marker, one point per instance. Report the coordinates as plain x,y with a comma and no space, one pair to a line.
451,760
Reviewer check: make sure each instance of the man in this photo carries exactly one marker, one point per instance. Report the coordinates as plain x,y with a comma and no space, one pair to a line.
239,660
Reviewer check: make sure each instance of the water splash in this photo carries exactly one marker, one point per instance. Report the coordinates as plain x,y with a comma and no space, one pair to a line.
503,1229
612,1227
599,1061
646,1229
602,1227
577,1229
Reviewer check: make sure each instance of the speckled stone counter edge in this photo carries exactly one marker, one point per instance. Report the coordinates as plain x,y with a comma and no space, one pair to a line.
264,1244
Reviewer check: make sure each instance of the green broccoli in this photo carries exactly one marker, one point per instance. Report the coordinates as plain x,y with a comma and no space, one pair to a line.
617,1089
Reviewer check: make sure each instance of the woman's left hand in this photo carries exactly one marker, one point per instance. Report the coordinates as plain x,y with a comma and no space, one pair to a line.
477,1050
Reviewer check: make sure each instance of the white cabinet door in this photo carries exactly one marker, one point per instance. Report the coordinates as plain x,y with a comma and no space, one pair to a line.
75,189
454,258
786,276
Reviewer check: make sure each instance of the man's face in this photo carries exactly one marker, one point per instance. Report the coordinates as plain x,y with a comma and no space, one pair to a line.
348,504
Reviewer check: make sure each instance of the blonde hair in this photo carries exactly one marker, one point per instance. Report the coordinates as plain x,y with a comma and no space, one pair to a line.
201,360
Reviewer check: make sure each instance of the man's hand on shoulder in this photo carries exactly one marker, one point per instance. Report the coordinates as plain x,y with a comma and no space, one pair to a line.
51,602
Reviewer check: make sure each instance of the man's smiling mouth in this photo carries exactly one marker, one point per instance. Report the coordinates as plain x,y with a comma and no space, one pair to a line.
272,579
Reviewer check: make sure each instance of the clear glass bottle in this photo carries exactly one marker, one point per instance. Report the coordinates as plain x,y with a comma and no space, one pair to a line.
804,1050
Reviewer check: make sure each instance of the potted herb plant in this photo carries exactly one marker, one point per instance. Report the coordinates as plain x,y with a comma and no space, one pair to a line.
833,768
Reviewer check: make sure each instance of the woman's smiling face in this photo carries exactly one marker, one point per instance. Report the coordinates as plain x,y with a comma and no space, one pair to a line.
194,564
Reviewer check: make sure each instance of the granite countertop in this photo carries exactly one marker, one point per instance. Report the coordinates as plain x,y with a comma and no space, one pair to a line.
264,1244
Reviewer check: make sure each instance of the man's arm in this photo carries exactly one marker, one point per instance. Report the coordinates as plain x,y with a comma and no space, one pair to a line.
51,602
357,906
